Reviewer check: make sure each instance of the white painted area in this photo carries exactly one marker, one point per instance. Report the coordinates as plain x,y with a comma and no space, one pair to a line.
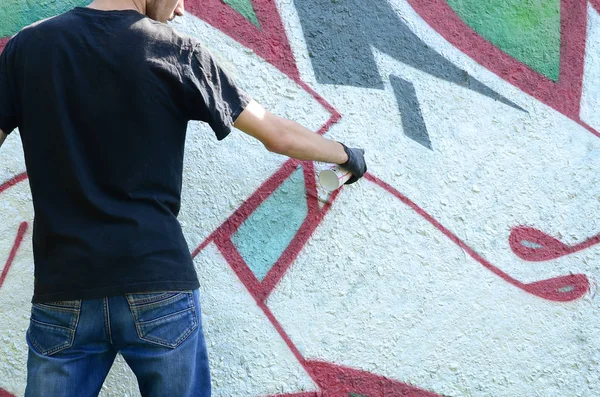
395,297
590,98
247,355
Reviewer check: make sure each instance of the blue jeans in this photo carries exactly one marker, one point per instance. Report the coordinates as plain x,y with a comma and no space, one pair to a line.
72,345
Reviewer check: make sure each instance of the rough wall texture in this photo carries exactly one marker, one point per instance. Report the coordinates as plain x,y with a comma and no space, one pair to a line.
462,265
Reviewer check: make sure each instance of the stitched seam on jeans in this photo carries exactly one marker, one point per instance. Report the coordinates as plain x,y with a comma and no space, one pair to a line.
181,339
76,324
65,345
72,304
52,326
57,308
75,321
158,296
50,351
192,308
165,316
135,317
178,341
161,302
107,320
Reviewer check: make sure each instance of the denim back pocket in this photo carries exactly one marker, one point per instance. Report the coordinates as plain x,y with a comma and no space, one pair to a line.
164,318
52,326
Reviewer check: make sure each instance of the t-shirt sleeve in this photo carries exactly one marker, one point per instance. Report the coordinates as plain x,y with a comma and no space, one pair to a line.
211,94
9,119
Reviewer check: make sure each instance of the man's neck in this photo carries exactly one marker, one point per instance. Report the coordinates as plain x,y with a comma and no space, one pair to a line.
110,5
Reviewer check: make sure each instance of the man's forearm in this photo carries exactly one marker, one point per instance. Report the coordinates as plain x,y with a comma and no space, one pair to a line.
289,138
303,144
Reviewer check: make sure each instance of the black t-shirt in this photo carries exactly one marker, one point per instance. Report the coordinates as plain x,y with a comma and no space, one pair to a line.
102,100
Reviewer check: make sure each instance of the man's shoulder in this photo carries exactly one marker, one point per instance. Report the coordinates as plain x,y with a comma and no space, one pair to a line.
41,24
167,34
21,35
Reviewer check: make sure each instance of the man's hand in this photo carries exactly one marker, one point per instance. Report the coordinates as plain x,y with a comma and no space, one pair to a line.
2,137
356,163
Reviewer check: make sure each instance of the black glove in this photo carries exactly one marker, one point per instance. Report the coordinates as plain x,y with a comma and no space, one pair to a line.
356,163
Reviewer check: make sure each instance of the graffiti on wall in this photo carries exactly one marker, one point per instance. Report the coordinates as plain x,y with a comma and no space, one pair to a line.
542,49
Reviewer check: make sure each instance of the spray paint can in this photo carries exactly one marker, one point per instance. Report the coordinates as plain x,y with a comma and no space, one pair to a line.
333,178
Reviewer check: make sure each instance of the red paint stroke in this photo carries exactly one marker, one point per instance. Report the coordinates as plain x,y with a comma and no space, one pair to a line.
4,393
534,245
13,252
595,4
269,41
12,182
338,381
303,394
559,289
564,95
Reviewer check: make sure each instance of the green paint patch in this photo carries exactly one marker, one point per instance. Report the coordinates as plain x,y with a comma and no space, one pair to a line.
270,229
16,14
245,8
356,395
528,30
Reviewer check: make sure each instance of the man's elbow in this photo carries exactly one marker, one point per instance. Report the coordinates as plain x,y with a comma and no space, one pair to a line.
279,141
279,147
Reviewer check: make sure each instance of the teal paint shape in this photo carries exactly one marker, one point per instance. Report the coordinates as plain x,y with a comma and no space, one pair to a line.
245,8
356,395
528,30
270,229
16,14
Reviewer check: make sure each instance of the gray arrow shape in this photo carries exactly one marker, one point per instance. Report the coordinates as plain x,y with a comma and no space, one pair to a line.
410,111
340,33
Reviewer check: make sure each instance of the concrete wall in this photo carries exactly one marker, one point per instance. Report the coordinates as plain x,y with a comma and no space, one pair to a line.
462,265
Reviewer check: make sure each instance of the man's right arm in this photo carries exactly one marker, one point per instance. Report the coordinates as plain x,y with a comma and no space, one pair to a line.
291,139
287,137
210,90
